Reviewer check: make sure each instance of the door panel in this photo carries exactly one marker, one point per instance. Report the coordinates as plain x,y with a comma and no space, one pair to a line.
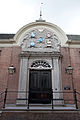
40,86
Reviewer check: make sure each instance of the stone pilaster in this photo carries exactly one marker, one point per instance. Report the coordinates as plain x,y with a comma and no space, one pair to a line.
56,80
23,81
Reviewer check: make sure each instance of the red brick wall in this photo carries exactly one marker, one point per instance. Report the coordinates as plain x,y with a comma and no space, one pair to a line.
71,57
9,56
75,61
65,61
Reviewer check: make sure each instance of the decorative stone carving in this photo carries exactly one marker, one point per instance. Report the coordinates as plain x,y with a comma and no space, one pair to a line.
40,64
41,38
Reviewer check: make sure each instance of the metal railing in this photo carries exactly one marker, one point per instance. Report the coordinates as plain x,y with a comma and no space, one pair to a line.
44,97
2,99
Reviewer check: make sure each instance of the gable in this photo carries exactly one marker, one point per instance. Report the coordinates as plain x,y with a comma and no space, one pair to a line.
40,35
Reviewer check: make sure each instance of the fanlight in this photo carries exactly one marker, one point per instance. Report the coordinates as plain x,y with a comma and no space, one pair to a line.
40,63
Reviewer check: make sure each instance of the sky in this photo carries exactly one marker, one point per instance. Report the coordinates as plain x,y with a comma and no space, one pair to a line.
14,14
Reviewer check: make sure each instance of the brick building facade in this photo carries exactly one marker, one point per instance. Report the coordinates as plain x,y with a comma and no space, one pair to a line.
40,53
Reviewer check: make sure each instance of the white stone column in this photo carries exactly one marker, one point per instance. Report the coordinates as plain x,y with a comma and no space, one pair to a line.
56,80
23,81
56,75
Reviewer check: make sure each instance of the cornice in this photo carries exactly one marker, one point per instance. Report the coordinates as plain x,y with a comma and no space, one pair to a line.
7,41
73,42
30,54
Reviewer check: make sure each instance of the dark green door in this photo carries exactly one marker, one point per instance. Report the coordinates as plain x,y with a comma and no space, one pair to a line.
40,86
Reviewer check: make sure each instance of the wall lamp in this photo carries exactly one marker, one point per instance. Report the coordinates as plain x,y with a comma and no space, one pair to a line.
69,70
11,69
66,87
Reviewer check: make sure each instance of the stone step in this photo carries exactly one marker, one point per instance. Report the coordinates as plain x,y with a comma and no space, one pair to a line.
41,115
40,107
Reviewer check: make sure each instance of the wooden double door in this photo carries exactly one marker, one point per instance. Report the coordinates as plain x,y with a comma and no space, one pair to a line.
40,86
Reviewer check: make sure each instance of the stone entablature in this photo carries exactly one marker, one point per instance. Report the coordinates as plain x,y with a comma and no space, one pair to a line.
39,54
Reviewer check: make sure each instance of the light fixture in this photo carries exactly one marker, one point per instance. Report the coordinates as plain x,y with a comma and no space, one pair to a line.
11,69
69,70
66,87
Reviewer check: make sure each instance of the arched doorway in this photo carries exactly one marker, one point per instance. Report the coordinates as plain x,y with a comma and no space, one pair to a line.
40,83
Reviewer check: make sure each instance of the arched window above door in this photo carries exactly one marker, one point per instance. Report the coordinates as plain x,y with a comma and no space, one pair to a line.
40,63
